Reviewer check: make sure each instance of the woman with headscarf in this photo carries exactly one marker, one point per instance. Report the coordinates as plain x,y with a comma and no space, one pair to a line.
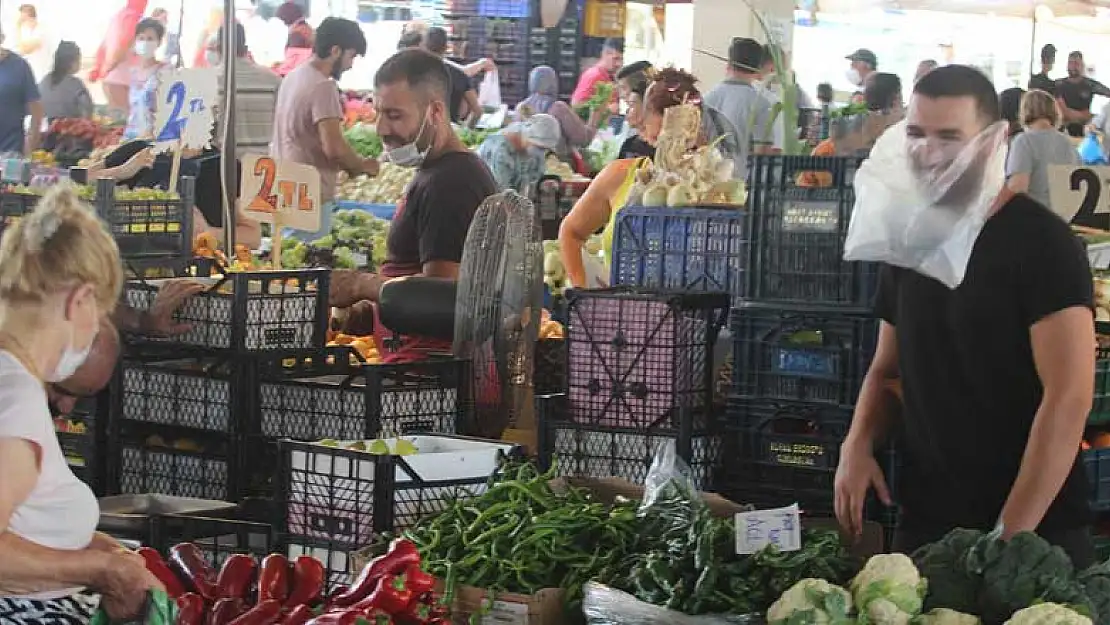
114,57
543,89
298,47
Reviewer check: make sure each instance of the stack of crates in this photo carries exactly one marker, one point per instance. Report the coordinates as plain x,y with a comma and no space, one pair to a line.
803,337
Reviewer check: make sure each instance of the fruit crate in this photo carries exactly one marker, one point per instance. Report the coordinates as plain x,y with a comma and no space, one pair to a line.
149,227
1100,407
798,232
576,450
694,249
14,205
813,354
259,311
202,393
81,438
344,497
639,358
351,402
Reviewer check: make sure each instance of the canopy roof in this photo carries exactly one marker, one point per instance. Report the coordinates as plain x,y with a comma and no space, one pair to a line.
1012,8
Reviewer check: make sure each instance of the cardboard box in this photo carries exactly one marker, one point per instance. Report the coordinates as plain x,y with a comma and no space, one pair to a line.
542,608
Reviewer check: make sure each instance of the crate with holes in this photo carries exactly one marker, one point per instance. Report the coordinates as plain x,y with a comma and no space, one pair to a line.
641,358
249,312
338,494
811,354
208,394
180,462
148,223
800,210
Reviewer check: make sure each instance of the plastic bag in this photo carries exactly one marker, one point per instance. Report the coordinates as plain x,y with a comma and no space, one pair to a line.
158,610
489,91
1090,150
603,605
929,221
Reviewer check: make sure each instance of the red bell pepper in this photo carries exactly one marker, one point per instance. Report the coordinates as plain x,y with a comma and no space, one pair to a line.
389,596
190,609
299,616
416,613
345,617
224,611
273,578
236,575
190,564
418,581
401,554
158,567
265,613
308,581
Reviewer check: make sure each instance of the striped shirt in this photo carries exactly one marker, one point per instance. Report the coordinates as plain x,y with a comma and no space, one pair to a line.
255,100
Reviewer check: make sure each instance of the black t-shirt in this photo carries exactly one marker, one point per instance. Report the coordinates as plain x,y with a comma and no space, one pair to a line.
431,221
460,84
971,389
1077,95
635,147
1043,82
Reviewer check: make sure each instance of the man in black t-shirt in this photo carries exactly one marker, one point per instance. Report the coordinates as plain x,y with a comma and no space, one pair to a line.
1074,94
463,99
429,227
1042,81
997,374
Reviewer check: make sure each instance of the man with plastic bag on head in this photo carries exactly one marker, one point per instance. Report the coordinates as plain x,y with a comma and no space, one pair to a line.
985,301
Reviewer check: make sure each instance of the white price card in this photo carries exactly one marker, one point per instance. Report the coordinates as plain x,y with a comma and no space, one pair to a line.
183,112
781,527
1080,192
280,192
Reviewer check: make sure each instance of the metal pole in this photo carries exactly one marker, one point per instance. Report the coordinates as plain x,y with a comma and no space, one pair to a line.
229,178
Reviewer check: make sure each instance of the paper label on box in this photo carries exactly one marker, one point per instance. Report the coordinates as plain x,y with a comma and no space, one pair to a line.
505,613
780,527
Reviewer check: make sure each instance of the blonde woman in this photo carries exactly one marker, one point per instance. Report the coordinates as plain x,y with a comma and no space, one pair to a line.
60,274
1040,146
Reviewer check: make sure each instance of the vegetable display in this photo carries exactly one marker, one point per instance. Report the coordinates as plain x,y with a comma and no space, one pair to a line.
388,187
353,233
364,140
554,272
279,591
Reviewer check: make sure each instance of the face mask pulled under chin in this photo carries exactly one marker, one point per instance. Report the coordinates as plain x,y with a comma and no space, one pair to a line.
922,206
409,154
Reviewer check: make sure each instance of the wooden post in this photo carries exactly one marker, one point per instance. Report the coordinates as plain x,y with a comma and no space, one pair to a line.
175,169
275,242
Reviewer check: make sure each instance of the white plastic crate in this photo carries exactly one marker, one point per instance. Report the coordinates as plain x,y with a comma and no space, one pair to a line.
331,491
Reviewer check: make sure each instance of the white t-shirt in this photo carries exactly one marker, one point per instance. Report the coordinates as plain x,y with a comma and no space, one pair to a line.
61,512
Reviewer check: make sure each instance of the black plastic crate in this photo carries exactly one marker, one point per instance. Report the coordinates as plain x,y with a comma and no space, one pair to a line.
801,354
550,374
217,538
302,400
792,435
258,311
1100,407
799,228
151,458
344,496
149,228
602,452
204,393
1097,463
638,358
15,205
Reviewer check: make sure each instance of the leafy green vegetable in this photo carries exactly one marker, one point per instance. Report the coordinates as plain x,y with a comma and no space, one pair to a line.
364,140
472,137
603,94
943,564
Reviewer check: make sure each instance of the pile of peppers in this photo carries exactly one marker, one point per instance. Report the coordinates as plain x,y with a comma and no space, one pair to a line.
390,590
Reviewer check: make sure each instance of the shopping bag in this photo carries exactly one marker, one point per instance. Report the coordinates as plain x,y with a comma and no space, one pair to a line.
489,92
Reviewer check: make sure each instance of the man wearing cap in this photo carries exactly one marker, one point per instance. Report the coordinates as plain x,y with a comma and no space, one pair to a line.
863,63
1042,81
743,104
516,156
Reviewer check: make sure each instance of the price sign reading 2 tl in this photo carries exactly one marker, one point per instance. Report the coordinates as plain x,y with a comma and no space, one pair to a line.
280,192
290,194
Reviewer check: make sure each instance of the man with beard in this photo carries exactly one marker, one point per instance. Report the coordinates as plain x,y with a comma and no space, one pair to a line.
997,374
430,224
308,119
1074,95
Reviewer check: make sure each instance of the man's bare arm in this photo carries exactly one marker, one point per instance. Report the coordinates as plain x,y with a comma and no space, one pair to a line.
876,402
349,287
1064,353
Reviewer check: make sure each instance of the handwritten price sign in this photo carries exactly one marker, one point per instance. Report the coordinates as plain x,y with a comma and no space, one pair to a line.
781,527
183,116
282,193
1080,193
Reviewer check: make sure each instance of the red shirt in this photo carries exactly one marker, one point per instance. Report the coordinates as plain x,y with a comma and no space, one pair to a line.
586,83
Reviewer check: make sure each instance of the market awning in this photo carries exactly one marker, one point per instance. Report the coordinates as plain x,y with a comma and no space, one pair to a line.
1010,8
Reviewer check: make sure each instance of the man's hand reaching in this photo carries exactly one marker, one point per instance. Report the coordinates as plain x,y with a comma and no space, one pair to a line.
349,287
159,321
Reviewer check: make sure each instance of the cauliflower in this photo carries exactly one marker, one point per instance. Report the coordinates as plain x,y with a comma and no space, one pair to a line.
944,616
1048,614
888,591
811,602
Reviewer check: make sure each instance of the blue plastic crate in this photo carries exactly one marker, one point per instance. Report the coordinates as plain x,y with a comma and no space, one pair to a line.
691,249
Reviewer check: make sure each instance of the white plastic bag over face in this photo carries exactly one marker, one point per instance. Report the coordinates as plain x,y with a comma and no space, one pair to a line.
922,202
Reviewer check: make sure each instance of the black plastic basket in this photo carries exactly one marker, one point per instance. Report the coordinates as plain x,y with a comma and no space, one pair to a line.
15,205
345,497
798,232
204,394
638,358
261,311
1100,407
1097,464
801,354
217,538
602,452
145,229
150,458
792,435
304,401
550,367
